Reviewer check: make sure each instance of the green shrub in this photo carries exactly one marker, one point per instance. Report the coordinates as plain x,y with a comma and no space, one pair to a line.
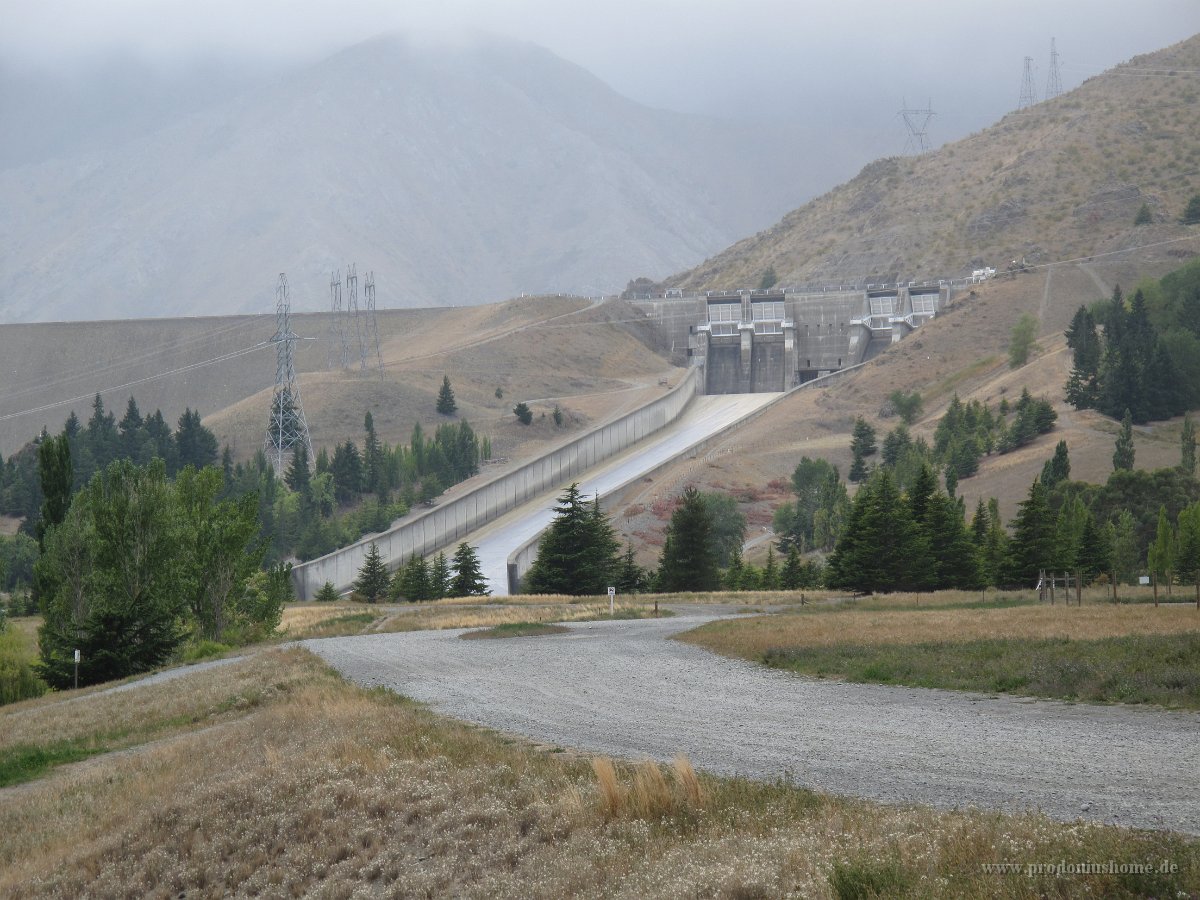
195,651
18,678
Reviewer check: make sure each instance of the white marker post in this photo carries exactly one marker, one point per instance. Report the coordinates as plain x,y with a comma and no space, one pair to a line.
612,593
76,668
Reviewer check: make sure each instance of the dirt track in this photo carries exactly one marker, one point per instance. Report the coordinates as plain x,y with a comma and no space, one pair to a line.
623,688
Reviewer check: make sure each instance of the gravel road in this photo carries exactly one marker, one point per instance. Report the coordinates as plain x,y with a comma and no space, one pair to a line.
623,688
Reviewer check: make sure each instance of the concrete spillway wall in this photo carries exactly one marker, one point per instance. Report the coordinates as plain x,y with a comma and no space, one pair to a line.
427,532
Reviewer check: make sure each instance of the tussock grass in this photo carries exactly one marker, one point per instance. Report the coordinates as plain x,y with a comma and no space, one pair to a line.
326,789
436,616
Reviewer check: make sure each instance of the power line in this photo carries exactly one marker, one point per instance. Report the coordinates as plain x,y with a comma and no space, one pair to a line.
287,426
120,387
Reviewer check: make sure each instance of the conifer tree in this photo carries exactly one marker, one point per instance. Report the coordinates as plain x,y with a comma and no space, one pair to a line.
687,562
439,577
862,445
1095,551
1057,468
1125,554
1123,455
953,559
446,404
792,577
468,580
735,571
770,573
578,553
328,593
1033,546
297,477
372,582
630,578
372,458
414,582
877,546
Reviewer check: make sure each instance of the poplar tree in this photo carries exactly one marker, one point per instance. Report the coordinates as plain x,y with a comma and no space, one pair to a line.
1187,446
1161,553
1188,548
1123,454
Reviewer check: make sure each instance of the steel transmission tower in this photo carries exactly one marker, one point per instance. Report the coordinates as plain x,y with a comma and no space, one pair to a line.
339,350
917,121
1028,92
372,324
352,309
1054,79
287,426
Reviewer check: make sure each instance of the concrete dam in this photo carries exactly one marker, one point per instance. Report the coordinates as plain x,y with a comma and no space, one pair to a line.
751,342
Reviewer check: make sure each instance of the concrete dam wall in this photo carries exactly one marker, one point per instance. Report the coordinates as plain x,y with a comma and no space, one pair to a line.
428,531
771,340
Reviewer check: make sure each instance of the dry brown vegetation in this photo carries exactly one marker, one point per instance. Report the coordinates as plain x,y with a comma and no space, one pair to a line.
751,638
309,785
1061,180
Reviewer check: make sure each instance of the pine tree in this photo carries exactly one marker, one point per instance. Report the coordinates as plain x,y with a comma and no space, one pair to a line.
896,442
953,559
862,445
130,430
1123,455
735,572
446,404
439,577
1187,446
792,577
630,577
468,580
414,581
770,573
1058,468
372,582
877,546
328,593
196,445
1191,213
1094,556
297,477
577,553
687,562
1033,547
523,413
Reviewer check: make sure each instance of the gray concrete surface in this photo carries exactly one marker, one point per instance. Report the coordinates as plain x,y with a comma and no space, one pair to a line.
706,416
623,688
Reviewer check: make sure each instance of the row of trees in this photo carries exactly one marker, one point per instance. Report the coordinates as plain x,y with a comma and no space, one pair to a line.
965,433
101,441
135,563
418,580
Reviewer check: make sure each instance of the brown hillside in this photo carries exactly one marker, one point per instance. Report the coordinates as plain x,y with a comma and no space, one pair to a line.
593,360
1061,180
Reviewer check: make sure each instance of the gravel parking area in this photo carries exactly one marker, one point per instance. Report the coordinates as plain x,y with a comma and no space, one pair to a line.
624,688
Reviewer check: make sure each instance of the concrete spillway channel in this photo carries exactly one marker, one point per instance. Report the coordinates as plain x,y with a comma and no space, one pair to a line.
500,540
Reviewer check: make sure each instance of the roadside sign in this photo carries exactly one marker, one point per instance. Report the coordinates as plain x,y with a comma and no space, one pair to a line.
612,593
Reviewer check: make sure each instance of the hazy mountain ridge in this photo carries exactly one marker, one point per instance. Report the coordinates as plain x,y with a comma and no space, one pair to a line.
1060,180
460,174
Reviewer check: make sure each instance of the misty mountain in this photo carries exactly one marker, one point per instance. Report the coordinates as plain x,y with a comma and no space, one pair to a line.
1064,179
460,173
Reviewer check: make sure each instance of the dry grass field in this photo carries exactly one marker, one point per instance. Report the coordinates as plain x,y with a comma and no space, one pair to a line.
1099,651
273,777
823,627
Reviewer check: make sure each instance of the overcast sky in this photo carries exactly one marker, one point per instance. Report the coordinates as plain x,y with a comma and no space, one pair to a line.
829,63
